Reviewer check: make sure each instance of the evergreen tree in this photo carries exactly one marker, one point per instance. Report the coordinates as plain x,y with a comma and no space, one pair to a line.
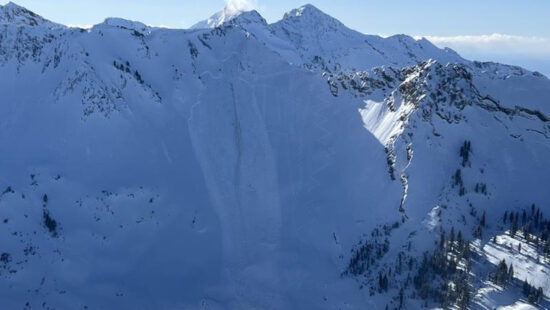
458,178
385,283
514,226
526,288
465,152
544,235
501,276
539,295
533,295
478,233
401,298
505,217
463,294
452,235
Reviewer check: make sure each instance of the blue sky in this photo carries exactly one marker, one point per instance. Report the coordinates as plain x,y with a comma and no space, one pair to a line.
511,31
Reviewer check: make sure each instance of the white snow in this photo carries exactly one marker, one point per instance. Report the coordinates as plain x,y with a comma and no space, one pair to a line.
14,14
383,123
528,265
228,15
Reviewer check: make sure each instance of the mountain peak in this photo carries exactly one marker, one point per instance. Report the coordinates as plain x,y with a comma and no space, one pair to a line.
312,18
305,10
15,14
13,6
126,24
230,15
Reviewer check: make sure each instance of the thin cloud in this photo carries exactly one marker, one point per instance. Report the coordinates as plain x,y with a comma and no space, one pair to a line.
80,26
496,44
240,5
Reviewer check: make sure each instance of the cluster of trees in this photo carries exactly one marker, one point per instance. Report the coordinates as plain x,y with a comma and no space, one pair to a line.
457,178
367,253
465,151
125,67
122,66
533,226
530,221
8,190
382,282
481,188
193,49
478,232
50,223
5,258
444,274
503,274
534,295
405,265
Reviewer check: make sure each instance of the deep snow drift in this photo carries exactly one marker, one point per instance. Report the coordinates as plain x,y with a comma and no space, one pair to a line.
242,165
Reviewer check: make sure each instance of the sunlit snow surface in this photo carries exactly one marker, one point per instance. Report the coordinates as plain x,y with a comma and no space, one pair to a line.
527,266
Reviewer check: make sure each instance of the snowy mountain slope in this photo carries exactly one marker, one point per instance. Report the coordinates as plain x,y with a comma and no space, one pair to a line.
313,33
12,13
425,115
243,166
97,122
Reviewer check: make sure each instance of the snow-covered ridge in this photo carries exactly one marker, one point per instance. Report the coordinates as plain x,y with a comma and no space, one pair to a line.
310,14
14,14
126,24
442,91
228,16
302,35
313,34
